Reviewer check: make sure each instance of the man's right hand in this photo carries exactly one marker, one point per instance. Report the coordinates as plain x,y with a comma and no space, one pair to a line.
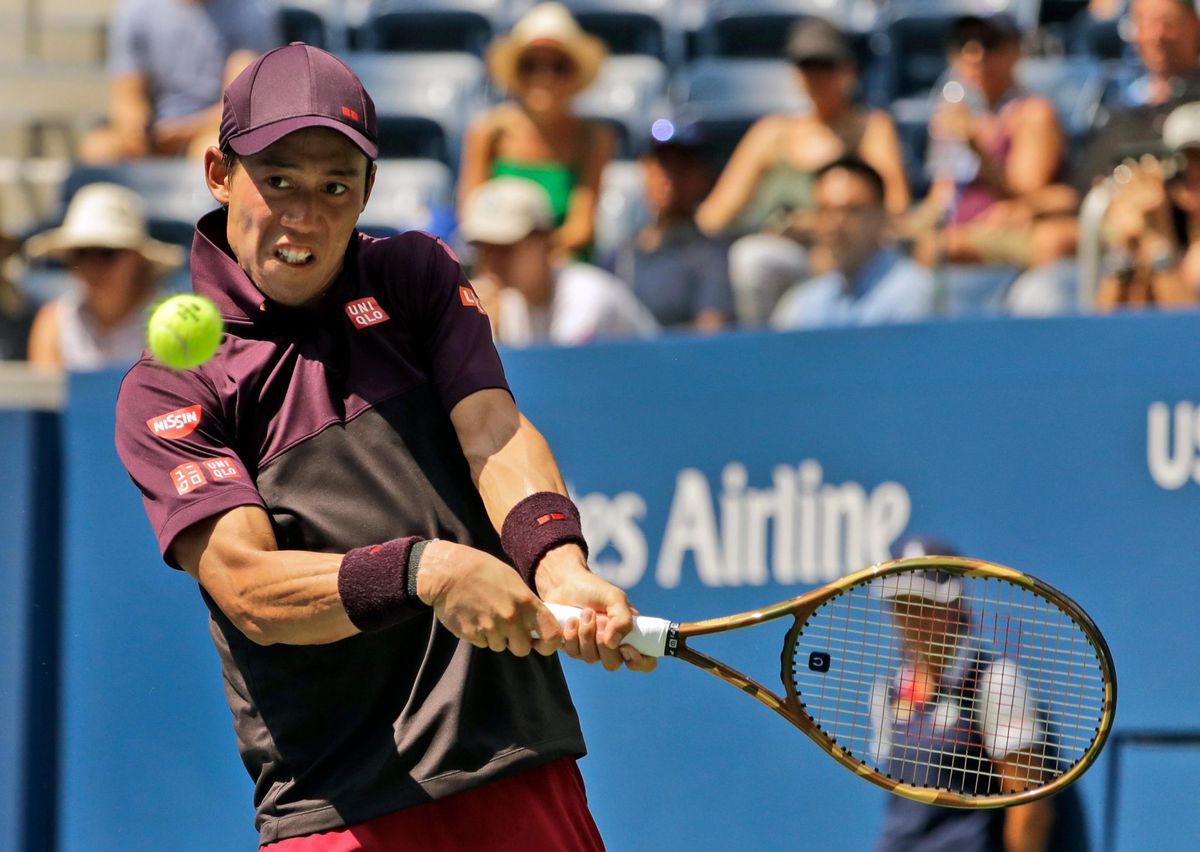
483,601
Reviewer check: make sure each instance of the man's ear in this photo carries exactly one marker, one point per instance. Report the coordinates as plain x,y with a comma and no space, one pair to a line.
370,185
216,175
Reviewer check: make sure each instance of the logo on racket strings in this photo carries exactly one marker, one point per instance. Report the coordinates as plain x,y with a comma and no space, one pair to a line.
818,661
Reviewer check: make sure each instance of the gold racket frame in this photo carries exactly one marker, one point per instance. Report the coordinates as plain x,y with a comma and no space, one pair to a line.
790,708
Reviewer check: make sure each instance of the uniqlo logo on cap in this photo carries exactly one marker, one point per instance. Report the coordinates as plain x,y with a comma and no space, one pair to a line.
365,312
175,424
470,299
222,468
349,113
188,477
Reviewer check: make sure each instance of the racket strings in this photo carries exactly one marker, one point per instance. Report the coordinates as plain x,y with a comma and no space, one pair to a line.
977,685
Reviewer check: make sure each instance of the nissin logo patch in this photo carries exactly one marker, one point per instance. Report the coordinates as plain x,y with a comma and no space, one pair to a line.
365,312
175,424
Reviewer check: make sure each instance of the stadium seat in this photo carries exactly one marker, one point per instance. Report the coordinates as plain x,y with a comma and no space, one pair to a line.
759,28
454,26
723,97
410,194
422,99
173,190
629,91
621,208
302,24
628,27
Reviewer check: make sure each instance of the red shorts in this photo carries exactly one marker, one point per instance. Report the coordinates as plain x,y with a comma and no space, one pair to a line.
543,809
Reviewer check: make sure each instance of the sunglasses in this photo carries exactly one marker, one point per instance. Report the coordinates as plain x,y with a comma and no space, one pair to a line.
559,67
96,254
817,66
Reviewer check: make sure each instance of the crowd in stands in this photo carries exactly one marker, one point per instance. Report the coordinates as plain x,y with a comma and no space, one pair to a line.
602,180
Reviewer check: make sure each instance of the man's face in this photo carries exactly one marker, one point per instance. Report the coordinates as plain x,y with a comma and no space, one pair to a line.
676,181
292,209
988,65
850,219
929,629
1166,36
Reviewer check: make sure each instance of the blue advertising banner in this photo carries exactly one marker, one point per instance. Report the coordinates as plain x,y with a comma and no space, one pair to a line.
717,475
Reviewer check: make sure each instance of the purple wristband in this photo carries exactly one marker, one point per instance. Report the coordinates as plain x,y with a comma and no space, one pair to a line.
373,584
537,525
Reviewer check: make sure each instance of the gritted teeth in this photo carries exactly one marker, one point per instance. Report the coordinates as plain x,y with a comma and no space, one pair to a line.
288,255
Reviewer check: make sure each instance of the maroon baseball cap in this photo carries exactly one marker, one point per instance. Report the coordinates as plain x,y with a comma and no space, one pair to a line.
293,87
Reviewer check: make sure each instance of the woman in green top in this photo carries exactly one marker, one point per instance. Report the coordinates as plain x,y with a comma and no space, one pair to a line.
543,63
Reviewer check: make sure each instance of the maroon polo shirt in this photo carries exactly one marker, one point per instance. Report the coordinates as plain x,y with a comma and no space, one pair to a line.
336,422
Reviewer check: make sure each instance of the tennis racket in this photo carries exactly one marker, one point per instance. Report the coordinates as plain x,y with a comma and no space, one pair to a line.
946,680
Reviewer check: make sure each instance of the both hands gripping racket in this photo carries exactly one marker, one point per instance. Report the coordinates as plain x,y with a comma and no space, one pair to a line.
947,680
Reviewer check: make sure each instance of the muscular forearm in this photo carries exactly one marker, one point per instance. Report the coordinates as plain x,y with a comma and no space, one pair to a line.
285,597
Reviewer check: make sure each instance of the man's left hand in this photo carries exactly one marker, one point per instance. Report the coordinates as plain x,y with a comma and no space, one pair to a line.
563,577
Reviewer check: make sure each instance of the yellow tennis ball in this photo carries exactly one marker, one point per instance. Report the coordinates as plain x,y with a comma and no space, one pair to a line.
184,331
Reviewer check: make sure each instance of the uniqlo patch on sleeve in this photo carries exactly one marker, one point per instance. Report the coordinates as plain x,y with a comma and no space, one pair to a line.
188,477
223,468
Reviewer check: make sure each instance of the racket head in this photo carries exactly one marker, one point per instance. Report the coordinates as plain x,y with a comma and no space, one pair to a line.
951,681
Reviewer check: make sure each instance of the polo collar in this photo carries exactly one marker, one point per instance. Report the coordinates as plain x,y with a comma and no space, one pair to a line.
217,275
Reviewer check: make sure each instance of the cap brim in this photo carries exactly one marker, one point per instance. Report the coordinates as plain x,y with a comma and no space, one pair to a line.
253,141
915,585
494,232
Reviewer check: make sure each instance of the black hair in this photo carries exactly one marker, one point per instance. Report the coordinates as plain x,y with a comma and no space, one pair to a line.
856,166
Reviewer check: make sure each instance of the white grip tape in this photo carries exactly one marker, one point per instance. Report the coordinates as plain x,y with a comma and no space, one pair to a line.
648,636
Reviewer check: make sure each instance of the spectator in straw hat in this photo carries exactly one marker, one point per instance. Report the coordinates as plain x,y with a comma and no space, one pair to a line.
542,64
117,266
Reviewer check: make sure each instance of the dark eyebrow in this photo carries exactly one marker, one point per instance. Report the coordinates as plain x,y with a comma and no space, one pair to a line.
274,162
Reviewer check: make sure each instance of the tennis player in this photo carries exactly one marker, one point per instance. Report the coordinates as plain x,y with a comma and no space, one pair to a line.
372,522
974,714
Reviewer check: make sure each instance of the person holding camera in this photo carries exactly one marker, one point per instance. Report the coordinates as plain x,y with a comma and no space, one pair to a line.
1153,223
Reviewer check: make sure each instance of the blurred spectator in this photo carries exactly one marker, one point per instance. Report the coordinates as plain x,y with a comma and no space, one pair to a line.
767,185
872,282
996,153
1166,37
117,266
939,674
168,63
15,313
529,296
677,271
1153,223
542,64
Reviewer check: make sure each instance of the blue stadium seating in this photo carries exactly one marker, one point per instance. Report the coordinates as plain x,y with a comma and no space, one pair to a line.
303,24
723,97
628,92
423,100
410,193
453,26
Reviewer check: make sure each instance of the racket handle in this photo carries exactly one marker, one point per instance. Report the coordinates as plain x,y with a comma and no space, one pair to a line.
648,636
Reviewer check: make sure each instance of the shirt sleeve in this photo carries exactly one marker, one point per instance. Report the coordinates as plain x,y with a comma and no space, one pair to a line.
457,332
178,449
123,37
255,28
1008,710
716,293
